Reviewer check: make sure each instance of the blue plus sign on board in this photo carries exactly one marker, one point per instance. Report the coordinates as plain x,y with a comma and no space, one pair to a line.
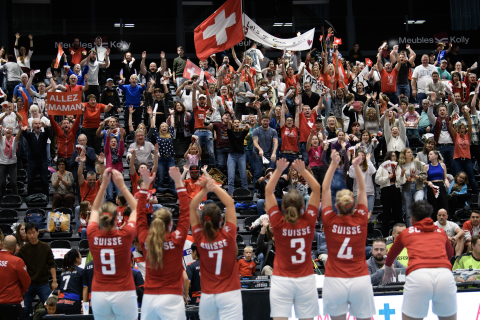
386,311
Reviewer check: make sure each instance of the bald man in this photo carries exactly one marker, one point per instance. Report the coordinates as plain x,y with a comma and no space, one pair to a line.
14,281
454,232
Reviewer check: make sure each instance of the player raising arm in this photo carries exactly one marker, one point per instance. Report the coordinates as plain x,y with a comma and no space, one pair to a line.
221,296
293,282
113,290
429,275
347,280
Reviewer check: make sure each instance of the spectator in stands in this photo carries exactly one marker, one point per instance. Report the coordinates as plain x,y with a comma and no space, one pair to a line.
71,287
184,92
114,150
265,143
94,65
14,282
200,109
133,93
88,187
156,100
110,96
260,187
236,154
355,54
472,227
143,149
179,64
75,159
38,258
77,71
37,156
91,121
246,266
368,170
133,172
8,159
376,263
469,260
437,182
128,68
421,75
267,248
436,86
290,129
395,137
322,252
390,195
454,232
442,70
62,182
180,121
23,85
84,216
153,73
389,78
23,59
222,141
475,117
192,288
424,125
65,136
315,150
73,84
77,52
20,235
190,184
403,256
456,105
14,73
241,88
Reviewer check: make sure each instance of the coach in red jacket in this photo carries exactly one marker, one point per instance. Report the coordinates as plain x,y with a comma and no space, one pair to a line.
14,281
66,134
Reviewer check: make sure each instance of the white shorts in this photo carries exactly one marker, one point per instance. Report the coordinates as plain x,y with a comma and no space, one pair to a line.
225,306
423,285
120,305
298,292
338,293
163,307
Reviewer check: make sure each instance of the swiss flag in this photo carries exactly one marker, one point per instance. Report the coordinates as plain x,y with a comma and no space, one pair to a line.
337,41
59,55
368,62
222,30
191,69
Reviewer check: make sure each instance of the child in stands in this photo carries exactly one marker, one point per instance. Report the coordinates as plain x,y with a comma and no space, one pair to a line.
246,266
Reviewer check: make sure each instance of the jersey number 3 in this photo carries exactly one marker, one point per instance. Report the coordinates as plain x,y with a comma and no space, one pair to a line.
107,257
345,252
300,251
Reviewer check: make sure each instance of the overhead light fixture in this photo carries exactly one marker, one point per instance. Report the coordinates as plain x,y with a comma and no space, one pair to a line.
125,25
289,24
281,24
277,24
420,22
117,25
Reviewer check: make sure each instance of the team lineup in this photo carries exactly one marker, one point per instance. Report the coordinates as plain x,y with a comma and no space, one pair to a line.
347,288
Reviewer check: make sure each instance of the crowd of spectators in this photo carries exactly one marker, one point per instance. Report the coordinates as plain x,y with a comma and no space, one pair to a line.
414,122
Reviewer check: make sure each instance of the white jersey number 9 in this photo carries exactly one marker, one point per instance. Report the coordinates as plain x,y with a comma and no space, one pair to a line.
300,251
345,252
110,261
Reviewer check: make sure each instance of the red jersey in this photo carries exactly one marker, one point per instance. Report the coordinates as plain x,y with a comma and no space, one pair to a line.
73,89
112,257
192,189
427,245
249,79
87,193
91,116
291,81
77,54
346,237
218,262
462,147
152,194
15,280
306,125
200,114
65,142
134,181
289,138
167,279
389,80
246,268
294,260
24,111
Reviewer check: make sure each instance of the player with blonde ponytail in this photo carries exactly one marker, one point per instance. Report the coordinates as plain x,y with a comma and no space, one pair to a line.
163,295
347,281
293,281
113,290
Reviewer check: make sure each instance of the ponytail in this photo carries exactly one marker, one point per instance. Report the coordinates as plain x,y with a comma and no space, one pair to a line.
69,260
212,218
292,203
108,215
156,237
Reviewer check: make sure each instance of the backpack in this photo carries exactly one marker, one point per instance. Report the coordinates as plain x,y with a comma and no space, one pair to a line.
462,214
37,218
36,198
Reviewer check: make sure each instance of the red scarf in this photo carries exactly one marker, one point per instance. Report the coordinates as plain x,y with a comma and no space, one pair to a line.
8,147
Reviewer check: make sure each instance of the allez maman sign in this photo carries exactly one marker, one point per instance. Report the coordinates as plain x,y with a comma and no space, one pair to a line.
64,103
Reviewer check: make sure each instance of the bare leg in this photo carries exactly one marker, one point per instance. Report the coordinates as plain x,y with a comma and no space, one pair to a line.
342,317
405,317
279,318
454,317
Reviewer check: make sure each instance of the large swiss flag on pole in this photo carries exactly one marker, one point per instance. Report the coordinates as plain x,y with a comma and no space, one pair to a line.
222,30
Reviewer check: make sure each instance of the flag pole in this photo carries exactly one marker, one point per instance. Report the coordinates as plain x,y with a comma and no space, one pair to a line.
243,30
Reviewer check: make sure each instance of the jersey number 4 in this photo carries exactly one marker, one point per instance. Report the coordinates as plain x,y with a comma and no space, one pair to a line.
345,251
107,257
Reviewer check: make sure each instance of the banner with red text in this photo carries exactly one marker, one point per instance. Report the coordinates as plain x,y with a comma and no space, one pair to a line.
64,103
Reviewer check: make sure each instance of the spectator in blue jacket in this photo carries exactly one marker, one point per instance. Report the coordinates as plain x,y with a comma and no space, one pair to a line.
77,70
133,94
23,85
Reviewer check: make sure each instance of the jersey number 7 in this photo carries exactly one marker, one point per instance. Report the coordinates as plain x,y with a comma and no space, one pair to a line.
345,252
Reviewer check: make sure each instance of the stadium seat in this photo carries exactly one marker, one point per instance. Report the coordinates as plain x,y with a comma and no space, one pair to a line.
11,201
20,186
240,242
248,221
8,215
22,175
83,247
240,194
59,264
6,229
60,244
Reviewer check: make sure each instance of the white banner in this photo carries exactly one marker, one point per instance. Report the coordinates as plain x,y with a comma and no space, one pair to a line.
308,77
254,32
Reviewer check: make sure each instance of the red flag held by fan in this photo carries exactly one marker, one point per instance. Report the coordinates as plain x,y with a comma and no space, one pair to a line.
368,62
191,69
222,30
59,55
337,41
321,38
